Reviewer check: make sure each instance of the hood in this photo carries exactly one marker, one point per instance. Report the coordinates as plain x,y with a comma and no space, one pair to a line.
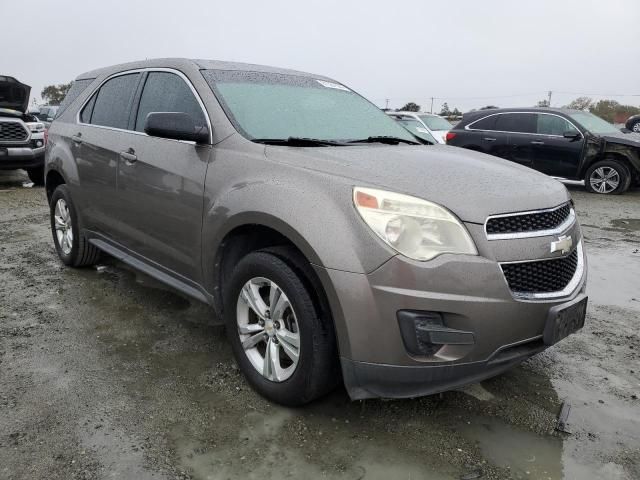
629,139
470,184
13,94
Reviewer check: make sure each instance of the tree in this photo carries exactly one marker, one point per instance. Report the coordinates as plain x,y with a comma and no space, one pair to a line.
612,111
542,103
456,112
410,107
580,103
54,94
444,112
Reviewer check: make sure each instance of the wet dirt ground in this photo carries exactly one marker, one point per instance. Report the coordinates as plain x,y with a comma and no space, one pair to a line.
104,373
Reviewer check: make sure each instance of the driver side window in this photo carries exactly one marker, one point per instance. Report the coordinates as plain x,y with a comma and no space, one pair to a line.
167,92
553,125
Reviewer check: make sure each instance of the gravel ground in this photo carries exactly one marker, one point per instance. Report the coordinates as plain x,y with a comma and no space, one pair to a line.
104,373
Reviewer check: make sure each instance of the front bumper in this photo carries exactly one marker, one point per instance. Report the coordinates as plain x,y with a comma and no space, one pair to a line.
12,158
471,295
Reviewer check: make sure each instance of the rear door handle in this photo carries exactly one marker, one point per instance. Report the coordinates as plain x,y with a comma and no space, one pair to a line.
537,142
129,156
77,139
489,139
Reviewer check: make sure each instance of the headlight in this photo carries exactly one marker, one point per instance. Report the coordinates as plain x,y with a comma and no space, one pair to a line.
416,228
36,127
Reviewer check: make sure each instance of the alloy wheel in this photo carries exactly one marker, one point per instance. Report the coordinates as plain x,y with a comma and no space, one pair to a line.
64,230
268,329
636,127
604,179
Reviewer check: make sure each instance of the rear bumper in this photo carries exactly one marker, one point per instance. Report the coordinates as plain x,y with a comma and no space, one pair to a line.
12,158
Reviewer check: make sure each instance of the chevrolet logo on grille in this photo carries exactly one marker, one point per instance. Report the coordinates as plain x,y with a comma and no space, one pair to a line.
563,244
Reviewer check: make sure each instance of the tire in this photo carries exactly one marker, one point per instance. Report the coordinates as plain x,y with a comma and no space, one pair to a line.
74,250
635,126
290,381
615,170
36,175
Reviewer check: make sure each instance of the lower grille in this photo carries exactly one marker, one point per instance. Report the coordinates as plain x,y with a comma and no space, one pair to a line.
13,132
541,276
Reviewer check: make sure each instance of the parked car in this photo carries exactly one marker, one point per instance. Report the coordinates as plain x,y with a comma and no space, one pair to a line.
22,136
567,144
46,114
416,127
633,123
335,246
436,126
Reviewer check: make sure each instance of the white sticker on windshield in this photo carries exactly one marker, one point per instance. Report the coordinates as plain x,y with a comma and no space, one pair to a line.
422,130
337,86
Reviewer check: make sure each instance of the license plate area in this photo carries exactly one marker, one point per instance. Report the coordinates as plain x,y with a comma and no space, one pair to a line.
564,320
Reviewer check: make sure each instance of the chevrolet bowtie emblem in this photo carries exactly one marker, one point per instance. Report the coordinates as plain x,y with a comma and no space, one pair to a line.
563,244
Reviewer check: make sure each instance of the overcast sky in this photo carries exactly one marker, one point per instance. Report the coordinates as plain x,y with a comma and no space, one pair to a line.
509,53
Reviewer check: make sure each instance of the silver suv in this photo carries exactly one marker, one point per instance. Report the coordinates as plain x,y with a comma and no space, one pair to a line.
336,247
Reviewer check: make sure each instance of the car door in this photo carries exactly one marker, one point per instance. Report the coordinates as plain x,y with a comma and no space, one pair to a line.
483,133
100,136
557,146
161,181
521,127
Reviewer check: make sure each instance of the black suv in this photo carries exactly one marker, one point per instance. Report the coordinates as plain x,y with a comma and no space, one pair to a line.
568,144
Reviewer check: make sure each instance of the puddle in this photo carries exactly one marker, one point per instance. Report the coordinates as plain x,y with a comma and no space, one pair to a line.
614,276
631,224
523,453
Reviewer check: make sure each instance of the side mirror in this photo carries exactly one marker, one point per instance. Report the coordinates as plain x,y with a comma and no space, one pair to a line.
175,125
49,119
571,134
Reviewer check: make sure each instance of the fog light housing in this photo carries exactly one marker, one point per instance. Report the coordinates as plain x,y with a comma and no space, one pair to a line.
424,333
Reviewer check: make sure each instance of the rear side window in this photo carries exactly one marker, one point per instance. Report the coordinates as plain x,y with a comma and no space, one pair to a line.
517,122
553,125
76,89
487,123
167,92
113,101
85,115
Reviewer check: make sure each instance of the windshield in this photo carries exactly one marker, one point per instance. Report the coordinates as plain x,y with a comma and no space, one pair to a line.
593,124
415,127
435,123
276,106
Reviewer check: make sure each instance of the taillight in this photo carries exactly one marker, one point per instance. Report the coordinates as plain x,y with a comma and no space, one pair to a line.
449,136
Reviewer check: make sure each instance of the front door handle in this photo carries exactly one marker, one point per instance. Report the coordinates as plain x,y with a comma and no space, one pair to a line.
537,142
77,139
489,139
129,156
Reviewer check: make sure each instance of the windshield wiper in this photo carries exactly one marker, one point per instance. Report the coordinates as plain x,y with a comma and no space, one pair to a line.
298,142
389,140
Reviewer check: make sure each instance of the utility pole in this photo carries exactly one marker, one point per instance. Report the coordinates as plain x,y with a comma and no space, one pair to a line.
386,106
431,111
550,92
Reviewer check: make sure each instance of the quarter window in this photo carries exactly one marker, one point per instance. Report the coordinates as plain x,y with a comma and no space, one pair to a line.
553,125
487,123
113,102
167,92
516,122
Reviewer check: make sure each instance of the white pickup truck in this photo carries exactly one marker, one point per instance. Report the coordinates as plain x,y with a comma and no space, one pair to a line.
22,135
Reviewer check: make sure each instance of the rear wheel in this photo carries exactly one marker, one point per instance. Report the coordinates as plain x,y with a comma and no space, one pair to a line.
609,177
635,126
71,244
36,175
280,343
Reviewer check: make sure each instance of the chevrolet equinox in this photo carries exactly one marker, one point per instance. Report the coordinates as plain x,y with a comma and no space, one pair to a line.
336,247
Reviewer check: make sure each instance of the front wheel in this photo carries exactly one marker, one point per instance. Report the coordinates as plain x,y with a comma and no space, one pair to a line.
282,346
608,176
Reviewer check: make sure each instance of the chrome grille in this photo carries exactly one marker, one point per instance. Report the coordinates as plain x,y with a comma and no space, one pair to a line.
541,276
13,132
528,222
